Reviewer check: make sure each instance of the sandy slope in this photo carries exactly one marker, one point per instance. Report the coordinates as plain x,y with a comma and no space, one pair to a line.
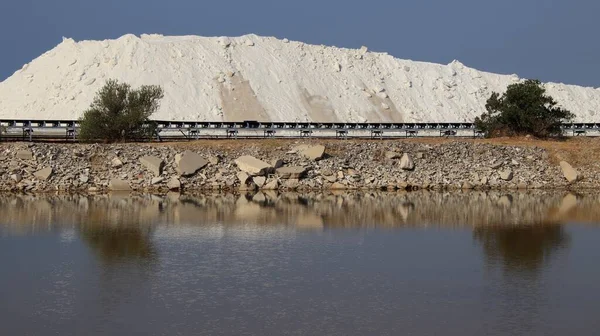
252,77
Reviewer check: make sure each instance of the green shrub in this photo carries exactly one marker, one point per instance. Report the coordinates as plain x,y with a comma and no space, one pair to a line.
119,113
523,109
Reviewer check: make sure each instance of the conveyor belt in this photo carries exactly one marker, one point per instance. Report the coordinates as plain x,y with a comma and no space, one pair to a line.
32,130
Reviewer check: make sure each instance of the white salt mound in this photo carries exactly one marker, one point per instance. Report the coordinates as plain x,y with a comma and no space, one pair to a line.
262,78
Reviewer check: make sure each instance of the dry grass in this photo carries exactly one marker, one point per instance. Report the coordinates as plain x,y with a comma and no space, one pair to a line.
578,151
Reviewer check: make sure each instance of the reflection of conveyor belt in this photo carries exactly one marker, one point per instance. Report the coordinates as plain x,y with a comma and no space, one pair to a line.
67,129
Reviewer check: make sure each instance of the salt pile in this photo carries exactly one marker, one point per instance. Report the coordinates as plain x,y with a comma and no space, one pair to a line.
262,78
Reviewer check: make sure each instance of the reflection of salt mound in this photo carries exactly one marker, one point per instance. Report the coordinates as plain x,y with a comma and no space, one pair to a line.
252,77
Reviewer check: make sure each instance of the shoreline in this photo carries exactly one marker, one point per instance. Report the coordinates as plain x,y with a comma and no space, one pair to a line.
301,165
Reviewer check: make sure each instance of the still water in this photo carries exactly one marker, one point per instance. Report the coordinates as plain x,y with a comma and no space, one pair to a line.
301,264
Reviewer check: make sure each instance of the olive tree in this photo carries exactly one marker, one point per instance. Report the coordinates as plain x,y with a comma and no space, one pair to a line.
523,109
120,113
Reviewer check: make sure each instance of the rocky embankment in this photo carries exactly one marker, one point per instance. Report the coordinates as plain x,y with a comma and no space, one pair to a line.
247,165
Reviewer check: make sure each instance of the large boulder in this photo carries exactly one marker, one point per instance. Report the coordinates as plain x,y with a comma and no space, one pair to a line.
259,181
116,163
174,184
190,163
314,152
118,185
506,174
24,154
43,174
298,149
153,164
253,166
291,172
570,173
406,162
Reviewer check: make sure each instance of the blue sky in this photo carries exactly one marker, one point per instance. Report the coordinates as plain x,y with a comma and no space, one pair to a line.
546,39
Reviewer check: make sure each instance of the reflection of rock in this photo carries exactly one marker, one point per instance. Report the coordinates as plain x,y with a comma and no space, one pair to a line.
335,209
309,221
505,201
520,248
568,203
405,209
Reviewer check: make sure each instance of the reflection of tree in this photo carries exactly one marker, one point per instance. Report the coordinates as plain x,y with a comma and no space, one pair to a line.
126,256
113,244
523,248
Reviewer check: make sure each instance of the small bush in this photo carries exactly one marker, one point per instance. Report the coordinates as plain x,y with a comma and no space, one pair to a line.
523,109
119,113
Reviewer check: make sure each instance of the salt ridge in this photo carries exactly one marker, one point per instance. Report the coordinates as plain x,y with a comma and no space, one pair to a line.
262,78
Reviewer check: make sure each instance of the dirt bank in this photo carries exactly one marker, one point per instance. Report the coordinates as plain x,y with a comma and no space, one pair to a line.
287,164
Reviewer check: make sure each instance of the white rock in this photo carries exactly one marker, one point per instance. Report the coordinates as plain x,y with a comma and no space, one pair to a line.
24,154
259,180
406,162
570,173
291,172
174,184
153,164
190,163
43,174
116,163
253,166
118,185
314,153
157,180
506,174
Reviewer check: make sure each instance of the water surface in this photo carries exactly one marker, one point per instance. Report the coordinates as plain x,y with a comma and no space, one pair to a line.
300,264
